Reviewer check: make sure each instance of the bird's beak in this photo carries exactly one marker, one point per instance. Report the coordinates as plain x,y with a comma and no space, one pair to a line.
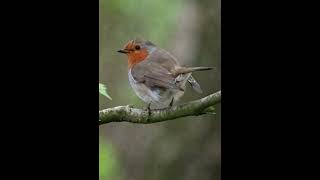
124,51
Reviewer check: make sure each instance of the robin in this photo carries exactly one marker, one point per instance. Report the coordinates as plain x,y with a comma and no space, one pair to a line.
155,75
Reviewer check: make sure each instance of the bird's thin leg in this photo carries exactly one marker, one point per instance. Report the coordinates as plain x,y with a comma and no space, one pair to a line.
149,108
171,103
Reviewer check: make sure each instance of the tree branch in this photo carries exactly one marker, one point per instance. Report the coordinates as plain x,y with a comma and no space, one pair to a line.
134,115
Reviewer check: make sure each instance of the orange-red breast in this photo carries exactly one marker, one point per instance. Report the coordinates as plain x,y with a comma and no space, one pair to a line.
155,75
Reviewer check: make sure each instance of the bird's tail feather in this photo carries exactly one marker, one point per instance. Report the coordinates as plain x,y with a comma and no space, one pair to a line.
195,85
184,70
191,80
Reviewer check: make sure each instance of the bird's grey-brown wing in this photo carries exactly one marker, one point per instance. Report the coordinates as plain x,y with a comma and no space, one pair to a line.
163,58
169,62
154,75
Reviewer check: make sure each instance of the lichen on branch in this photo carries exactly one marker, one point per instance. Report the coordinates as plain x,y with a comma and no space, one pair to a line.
134,115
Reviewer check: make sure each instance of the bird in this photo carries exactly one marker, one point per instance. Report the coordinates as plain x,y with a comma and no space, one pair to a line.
155,75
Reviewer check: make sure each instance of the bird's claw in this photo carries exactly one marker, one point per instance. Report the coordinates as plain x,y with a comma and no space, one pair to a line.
148,109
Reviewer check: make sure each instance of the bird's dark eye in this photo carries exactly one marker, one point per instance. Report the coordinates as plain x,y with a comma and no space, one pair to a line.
137,47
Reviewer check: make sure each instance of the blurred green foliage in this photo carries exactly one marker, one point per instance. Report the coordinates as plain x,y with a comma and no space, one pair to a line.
107,160
143,18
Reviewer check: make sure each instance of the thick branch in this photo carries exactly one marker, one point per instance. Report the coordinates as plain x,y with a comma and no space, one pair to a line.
134,115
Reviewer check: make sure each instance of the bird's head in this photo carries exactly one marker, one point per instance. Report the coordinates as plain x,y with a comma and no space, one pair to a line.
137,50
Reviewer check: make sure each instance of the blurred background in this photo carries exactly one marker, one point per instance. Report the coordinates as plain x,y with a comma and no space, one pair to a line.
187,148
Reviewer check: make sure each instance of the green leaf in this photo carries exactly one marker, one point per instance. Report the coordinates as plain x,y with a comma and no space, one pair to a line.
103,90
